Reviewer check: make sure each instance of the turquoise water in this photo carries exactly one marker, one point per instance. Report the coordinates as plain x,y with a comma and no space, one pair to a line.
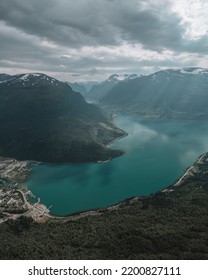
156,154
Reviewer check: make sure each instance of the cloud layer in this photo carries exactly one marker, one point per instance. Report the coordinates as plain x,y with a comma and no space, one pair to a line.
89,39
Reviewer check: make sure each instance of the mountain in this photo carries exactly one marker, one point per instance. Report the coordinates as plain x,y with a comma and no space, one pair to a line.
181,94
98,91
88,84
77,87
43,119
5,77
82,87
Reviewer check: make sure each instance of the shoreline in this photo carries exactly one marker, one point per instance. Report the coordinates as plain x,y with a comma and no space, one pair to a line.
15,174
34,210
187,171
85,162
100,211
131,199
118,138
186,174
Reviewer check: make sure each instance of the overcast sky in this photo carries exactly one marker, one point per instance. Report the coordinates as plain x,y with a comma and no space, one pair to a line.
78,40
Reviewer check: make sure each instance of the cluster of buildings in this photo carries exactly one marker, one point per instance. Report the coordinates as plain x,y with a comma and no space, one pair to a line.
14,200
11,200
13,170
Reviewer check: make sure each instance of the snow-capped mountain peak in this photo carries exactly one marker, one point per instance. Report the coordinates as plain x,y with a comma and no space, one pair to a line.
25,77
194,71
30,79
122,77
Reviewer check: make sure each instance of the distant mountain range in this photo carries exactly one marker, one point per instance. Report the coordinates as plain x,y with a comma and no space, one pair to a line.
99,90
172,93
83,87
43,119
77,87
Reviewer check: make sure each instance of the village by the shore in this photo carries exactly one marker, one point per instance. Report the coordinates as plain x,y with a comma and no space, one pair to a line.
14,195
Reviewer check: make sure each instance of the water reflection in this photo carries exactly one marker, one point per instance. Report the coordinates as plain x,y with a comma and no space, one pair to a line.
105,172
156,153
77,173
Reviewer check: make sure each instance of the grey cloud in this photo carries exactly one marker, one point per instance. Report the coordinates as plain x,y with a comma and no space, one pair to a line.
151,31
92,22
72,25
196,46
99,22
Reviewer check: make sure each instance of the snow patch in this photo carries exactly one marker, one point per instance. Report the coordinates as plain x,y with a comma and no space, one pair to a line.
36,75
194,71
123,77
24,77
133,76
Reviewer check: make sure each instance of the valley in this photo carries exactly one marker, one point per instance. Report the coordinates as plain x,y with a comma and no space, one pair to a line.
107,191
74,188
104,134
168,94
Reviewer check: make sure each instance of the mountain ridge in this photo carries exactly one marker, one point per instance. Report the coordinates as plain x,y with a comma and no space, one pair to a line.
99,90
43,119
171,93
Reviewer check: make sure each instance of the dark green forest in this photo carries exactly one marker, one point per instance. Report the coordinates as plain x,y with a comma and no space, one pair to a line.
43,119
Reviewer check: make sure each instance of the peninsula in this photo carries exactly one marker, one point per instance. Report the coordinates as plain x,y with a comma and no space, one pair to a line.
43,119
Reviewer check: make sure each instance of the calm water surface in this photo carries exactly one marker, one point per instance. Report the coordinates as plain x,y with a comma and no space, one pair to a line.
156,154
